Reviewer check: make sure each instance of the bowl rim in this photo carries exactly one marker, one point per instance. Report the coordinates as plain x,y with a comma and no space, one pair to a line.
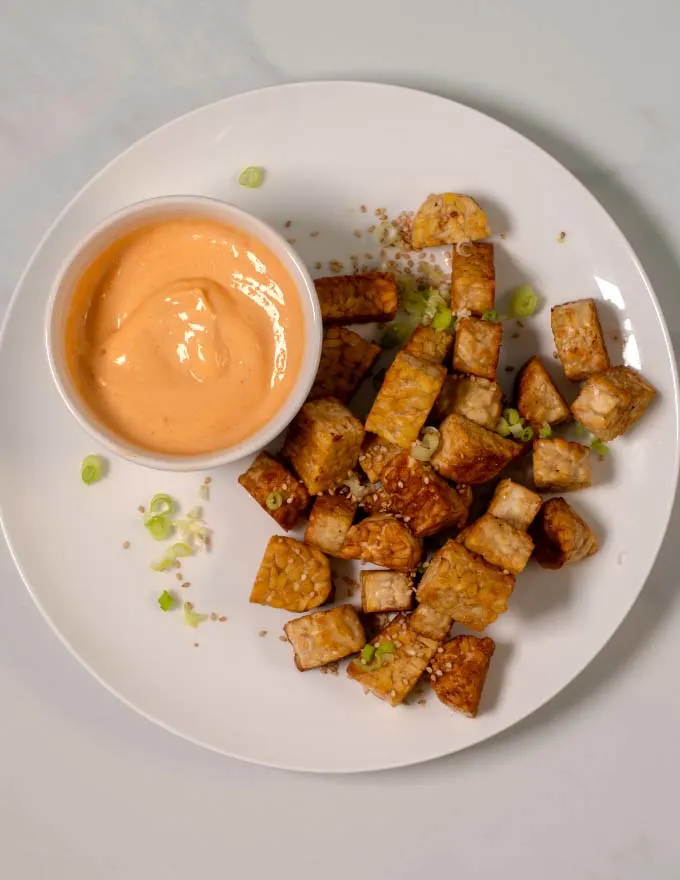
313,335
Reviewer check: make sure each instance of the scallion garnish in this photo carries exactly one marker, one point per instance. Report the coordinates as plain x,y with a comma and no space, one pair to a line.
159,527
92,469
503,427
526,435
512,417
166,600
385,648
442,318
252,177
367,653
274,500
545,431
599,447
162,505
193,618
490,315
524,301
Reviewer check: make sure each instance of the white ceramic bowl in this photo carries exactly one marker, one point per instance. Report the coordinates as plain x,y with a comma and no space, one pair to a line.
127,220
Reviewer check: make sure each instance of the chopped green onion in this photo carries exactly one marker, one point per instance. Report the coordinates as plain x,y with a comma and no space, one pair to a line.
385,648
166,600
161,504
252,177
435,304
159,527
527,435
524,301
195,513
181,550
396,334
545,431
503,427
274,500
512,416
367,653
580,430
414,301
516,430
193,531
442,318
191,617
561,238
204,492
599,447
166,562
490,315
92,469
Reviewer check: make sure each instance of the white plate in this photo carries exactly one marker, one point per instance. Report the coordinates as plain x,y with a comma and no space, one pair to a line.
327,148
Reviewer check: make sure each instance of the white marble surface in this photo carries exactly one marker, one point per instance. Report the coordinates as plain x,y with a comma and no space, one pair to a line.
586,789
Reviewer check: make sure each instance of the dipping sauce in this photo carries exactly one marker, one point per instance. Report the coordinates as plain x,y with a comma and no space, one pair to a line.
185,336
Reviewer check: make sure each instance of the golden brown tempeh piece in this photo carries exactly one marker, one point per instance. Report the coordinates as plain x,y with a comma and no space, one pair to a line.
448,218
578,338
469,453
383,591
325,636
480,400
385,541
459,671
538,400
473,278
560,465
291,576
561,535
270,484
611,402
477,347
346,359
499,543
357,299
515,504
330,519
429,344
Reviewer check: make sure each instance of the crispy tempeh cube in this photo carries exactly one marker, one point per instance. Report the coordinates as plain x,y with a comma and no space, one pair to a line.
560,465
323,443
448,218
330,519
515,504
325,636
431,623
267,480
346,358
465,586
499,543
405,399
459,672
480,400
357,299
561,535
383,591
477,347
375,455
385,541
394,675
473,278
291,576
611,402
471,454
578,338
538,400
429,344
419,495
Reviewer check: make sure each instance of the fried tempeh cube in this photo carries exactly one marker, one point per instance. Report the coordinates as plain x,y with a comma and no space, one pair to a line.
358,299
431,623
323,443
499,543
515,504
466,587
346,359
561,535
271,484
325,636
385,541
471,454
291,576
429,344
405,399
420,496
578,338
375,455
459,671
473,278
560,465
394,675
477,347
611,402
383,591
330,519
448,218
538,400
480,400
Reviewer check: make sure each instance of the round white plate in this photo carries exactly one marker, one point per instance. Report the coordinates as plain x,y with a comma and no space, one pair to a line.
328,148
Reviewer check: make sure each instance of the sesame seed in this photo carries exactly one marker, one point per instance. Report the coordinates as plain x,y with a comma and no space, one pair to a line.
363,209
283,638
358,233
393,693
426,481
422,702
185,585
290,500
335,266
288,224
291,240
207,481
428,669
126,545
213,616
317,266
440,650
262,633
141,508
222,619
179,575
196,644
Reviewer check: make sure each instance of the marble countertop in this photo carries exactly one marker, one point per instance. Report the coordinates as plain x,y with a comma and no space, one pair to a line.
585,789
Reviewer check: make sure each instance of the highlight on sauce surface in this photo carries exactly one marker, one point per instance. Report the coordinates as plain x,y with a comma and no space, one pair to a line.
185,336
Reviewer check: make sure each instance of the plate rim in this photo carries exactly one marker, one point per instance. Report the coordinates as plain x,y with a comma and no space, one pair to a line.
358,84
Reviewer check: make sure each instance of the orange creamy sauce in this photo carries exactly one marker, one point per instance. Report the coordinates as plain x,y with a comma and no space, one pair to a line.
185,336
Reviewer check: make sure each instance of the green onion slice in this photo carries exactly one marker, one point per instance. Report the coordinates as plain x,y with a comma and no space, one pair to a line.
161,504
367,653
512,417
92,469
503,427
442,318
598,446
274,500
181,550
545,431
524,301
490,315
252,177
166,600
385,648
159,527
527,435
